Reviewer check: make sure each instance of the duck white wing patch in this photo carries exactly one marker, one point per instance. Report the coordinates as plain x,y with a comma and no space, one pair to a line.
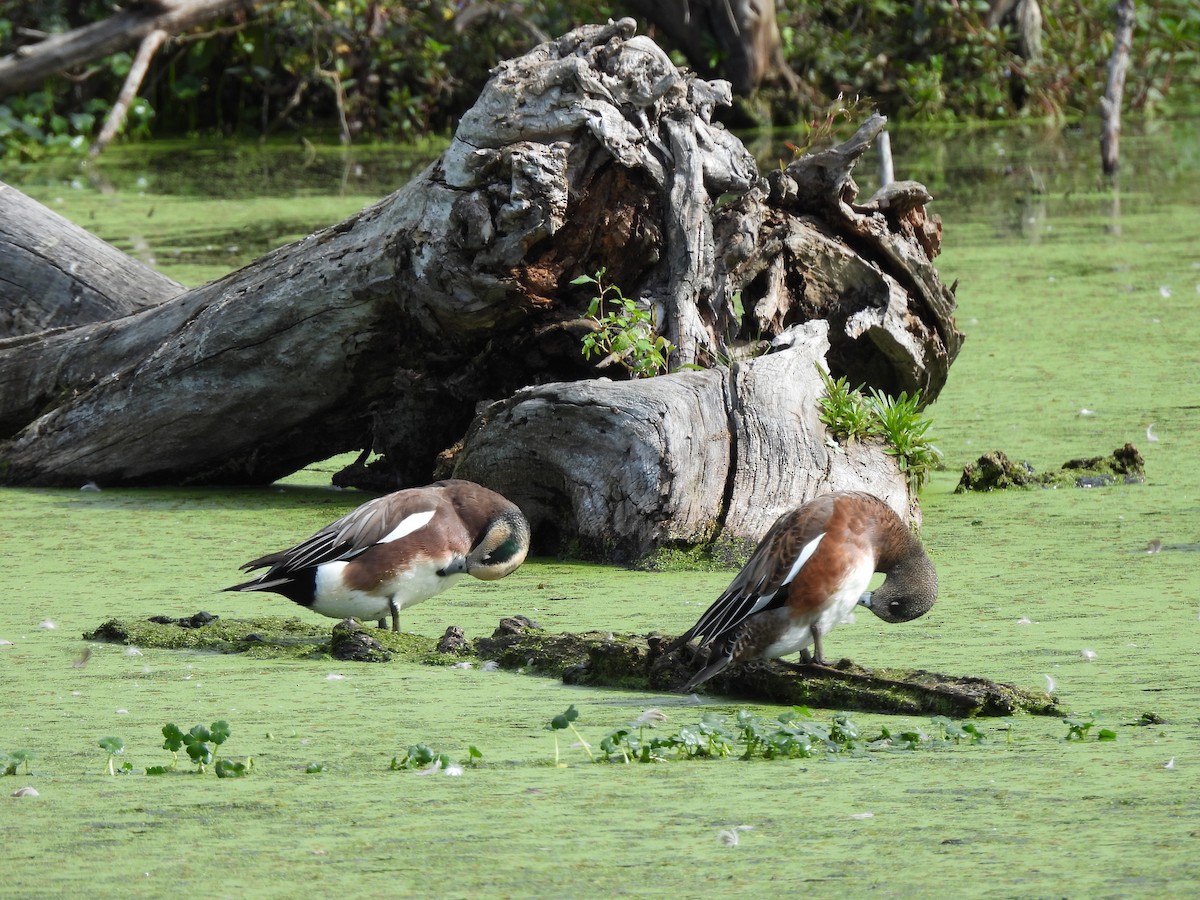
408,525
805,552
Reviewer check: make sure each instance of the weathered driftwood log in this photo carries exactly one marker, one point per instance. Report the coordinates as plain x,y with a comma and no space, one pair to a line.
598,659
619,469
56,274
386,331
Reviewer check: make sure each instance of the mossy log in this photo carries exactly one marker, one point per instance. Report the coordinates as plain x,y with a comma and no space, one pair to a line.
595,659
637,662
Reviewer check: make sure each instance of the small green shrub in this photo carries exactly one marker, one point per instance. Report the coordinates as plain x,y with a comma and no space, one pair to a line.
625,333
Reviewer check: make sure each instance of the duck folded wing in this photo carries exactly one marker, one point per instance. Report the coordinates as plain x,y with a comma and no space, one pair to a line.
760,585
377,521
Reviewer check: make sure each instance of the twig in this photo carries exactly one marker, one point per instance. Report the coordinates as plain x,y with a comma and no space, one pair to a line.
339,94
133,82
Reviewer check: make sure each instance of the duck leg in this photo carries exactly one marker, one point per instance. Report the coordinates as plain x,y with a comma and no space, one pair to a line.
816,656
395,608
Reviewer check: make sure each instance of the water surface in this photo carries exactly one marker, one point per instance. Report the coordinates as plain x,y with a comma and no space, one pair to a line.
1082,334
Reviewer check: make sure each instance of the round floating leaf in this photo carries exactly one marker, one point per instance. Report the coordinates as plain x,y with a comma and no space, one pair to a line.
112,744
219,732
174,738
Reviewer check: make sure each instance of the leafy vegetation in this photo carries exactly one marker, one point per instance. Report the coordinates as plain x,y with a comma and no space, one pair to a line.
201,744
1078,728
625,332
11,762
844,410
897,421
563,720
363,69
424,758
114,747
794,734
940,61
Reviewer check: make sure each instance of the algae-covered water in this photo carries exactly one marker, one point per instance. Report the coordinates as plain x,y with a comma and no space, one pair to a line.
1083,327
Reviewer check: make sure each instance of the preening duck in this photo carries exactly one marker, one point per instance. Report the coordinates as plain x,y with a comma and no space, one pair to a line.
807,575
397,550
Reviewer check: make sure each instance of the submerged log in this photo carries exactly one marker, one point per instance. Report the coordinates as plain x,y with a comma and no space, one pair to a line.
387,331
596,659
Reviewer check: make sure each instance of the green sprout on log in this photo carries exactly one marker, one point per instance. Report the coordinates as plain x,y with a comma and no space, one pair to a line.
625,333
896,421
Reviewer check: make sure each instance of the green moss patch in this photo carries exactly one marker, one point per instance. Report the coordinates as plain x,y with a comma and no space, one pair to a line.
261,638
995,471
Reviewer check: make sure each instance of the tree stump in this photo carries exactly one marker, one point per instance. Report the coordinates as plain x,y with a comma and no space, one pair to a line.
388,331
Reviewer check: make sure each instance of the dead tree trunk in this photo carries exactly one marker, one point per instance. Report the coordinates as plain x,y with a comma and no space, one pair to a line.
745,32
1110,103
387,330
617,470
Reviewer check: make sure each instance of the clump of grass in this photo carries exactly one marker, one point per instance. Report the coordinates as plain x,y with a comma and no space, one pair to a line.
625,333
896,421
